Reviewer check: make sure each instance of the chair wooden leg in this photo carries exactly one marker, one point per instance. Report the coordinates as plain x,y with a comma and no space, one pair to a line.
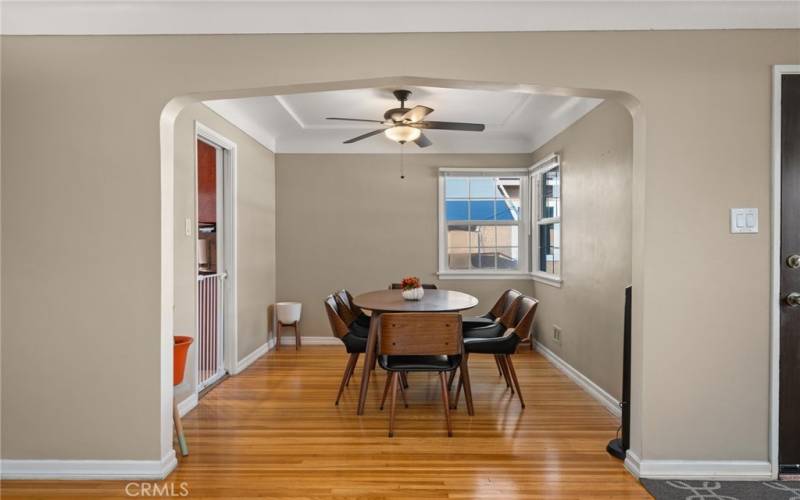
352,370
386,388
297,342
392,402
402,390
514,378
176,417
454,404
404,379
351,362
499,369
450,380
446,404
506,375
467,384
277,335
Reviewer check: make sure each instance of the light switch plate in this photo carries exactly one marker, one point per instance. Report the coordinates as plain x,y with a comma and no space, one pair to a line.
188,226
744,220
557,334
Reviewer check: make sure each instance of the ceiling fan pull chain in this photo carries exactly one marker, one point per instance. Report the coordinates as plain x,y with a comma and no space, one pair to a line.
402,162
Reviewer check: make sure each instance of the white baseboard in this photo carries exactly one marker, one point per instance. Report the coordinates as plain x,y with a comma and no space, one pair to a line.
594,390
739,470
632,463
311,340
187,404
88,469
250,358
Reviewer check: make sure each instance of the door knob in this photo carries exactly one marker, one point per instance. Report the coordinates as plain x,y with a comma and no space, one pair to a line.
793,299
793,261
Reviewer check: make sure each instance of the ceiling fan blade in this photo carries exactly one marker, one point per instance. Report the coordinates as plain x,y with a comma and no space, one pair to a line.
466,127
363,136
422,141
354,120
416,114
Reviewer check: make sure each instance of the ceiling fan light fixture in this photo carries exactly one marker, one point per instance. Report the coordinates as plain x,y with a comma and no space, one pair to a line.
402,133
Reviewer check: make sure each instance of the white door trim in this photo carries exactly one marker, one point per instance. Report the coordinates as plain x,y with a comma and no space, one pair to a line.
775,328
229,170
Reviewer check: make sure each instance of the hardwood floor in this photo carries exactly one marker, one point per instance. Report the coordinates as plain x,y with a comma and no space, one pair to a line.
273,432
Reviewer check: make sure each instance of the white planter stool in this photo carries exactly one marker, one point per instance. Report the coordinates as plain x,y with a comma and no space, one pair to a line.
288,314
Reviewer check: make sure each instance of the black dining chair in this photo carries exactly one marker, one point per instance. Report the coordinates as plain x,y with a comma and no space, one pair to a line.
506,309
353,343
420,342
426,286
358,322
504,347
486,326
353,316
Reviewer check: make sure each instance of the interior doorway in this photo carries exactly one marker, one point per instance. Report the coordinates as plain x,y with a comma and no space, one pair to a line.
214,241
168,134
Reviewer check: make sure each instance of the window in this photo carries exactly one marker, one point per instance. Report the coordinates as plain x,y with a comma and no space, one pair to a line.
546,200
483,223
501,223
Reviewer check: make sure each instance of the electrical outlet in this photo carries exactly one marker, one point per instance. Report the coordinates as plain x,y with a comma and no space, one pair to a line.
557,334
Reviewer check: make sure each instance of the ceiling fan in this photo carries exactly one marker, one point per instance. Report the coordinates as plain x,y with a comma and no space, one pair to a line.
406,124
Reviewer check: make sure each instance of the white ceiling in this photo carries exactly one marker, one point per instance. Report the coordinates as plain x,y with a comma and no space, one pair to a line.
135,17
296,123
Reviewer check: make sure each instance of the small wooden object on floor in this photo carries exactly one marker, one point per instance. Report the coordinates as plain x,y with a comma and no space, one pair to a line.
288,314
297,342
176,417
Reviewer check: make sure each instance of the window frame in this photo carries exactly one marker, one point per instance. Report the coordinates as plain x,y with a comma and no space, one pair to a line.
537,172
524,225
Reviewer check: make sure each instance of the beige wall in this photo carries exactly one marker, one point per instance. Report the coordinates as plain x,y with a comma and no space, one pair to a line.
80,287
596,155
349,221
255,244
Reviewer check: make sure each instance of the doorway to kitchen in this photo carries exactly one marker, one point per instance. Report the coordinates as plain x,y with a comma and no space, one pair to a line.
215,240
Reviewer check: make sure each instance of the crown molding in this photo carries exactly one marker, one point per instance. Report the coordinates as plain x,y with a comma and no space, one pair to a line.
150,17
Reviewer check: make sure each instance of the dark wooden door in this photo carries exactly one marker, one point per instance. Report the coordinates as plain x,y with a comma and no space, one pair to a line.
789,416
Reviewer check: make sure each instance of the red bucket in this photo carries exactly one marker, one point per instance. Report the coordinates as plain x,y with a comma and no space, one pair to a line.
179,352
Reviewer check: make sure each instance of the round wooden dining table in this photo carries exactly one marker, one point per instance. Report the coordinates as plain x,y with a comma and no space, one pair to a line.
381,301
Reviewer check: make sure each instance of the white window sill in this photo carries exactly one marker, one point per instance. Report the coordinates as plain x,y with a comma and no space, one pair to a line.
483,275
546,278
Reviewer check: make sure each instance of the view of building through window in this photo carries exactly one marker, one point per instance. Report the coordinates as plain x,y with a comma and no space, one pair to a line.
549,221
483,222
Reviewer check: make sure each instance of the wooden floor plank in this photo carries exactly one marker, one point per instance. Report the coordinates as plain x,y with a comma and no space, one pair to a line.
274,432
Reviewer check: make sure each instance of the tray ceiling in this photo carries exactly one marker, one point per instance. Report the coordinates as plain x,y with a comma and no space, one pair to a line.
515,122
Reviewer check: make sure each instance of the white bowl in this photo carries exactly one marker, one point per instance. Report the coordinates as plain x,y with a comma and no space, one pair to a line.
288,312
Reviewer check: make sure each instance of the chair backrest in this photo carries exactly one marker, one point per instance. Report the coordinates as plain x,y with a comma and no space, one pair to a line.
347,299
420,334
504,303
338,325
523,320
344,310
426,286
